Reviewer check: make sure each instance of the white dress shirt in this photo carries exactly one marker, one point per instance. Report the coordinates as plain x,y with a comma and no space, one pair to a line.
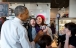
14,35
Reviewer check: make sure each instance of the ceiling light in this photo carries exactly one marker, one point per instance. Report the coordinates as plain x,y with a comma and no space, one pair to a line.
37,4
41,10
10,4
15,3
47,5
32,14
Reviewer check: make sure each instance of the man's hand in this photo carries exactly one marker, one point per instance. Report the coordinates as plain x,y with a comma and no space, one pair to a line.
40,33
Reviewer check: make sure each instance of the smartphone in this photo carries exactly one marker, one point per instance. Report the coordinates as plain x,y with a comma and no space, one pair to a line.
43,27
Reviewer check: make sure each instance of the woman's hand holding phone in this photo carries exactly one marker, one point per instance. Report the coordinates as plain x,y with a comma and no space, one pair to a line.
44,29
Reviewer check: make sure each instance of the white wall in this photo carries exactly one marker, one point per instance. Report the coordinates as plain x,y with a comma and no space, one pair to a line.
72,8
42,8
0,0
53,12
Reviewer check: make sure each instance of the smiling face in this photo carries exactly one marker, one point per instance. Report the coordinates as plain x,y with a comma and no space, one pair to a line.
32,22
39,20
25,15
21,12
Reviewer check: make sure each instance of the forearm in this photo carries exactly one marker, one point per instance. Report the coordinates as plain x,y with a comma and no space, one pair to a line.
36,38
66,45
59,46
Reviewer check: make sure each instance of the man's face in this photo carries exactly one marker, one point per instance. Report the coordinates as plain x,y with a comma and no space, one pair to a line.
32,22
25,15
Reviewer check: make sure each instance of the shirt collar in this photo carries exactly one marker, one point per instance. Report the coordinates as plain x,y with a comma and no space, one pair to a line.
18,20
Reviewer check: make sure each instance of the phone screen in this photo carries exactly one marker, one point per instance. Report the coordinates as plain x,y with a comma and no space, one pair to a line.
43,27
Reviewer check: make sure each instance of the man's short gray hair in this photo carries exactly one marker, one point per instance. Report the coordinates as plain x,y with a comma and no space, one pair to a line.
19,9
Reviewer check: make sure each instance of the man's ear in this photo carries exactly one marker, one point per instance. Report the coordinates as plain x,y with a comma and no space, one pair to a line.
20,15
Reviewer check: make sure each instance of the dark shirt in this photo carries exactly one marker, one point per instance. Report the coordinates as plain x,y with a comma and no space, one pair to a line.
72,41
38,29
53,30
62,40
30,33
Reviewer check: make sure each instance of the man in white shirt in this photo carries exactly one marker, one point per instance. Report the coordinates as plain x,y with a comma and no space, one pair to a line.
13,34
